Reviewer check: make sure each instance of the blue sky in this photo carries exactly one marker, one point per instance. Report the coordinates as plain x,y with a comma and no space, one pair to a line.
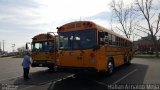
20,20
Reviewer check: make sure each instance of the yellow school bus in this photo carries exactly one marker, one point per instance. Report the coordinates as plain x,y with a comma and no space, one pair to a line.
88,46
44,51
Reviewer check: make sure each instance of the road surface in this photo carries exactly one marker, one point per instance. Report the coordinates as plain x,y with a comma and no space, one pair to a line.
140,72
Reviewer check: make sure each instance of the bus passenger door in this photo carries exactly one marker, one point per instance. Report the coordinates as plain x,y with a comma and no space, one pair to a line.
101,52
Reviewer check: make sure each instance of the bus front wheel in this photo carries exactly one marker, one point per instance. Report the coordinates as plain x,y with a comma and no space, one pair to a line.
53,68
110,68
129,61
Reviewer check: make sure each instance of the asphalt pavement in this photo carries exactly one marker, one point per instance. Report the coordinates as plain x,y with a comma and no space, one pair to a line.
142,74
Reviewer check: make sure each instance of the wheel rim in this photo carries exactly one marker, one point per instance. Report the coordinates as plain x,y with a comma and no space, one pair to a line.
110,67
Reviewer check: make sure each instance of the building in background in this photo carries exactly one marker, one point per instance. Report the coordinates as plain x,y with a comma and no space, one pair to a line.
145,45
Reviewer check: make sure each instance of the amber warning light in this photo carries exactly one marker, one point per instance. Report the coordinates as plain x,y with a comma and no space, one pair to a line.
76,25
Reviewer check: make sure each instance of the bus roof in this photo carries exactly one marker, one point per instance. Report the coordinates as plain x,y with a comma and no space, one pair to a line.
81,25
43,37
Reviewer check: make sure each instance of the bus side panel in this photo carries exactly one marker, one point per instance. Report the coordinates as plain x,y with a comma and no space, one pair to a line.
118,59
89,58
101,59
116,54
77,58
70,59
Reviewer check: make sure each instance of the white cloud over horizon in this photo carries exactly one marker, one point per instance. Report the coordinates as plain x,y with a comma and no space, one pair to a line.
20,20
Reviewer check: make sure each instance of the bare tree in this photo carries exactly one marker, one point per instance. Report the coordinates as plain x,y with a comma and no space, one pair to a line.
124,16
21,50
145,7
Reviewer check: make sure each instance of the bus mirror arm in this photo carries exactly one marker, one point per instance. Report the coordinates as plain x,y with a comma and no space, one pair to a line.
96,47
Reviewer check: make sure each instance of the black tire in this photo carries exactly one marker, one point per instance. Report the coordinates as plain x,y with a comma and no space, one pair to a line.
51,68
129,61
110,67
55,68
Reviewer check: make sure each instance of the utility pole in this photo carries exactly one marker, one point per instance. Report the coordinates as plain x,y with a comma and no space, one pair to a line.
0,48
0,45
3,46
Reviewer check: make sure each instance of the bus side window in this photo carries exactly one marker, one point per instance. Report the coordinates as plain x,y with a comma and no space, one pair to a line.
110,39
127,44
101,36
106,37
113,40
123,42
120,42
116,41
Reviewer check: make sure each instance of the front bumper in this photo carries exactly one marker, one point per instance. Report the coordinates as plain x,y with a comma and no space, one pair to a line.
46,64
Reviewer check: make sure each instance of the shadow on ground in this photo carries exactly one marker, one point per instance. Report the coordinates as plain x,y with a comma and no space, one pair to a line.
40,78
84,81
89,81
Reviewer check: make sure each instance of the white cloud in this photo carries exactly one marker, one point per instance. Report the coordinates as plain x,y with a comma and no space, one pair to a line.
20,20
68,9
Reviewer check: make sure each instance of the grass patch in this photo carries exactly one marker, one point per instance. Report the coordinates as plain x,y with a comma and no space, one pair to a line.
18,56
3,56
146,56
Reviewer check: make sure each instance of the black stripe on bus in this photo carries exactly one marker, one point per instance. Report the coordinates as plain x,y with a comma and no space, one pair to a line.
114,55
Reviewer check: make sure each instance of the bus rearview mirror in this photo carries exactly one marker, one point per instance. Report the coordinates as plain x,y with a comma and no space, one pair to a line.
26,46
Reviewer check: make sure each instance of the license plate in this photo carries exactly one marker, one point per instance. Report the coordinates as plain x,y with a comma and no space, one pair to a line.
40,65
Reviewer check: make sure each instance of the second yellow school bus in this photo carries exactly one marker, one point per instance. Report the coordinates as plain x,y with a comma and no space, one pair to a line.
44,50
88,46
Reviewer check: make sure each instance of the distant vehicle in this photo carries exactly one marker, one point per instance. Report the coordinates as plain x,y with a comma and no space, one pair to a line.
44,50
86,46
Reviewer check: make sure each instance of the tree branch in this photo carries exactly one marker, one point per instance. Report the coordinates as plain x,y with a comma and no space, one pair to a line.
141,30
157,28
142,27
119,29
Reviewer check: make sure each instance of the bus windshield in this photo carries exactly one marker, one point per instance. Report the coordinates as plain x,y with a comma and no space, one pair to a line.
75,40
43,46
